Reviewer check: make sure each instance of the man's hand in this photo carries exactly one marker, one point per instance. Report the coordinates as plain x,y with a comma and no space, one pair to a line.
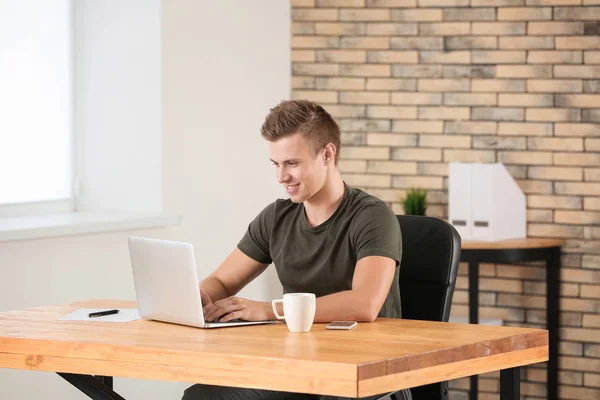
238,308
207,302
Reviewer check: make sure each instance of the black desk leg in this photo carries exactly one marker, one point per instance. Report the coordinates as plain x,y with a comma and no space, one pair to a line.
106,380
474,315
552,318
510,384
91,386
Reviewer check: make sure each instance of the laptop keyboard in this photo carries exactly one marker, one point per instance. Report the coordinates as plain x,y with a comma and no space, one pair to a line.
218,321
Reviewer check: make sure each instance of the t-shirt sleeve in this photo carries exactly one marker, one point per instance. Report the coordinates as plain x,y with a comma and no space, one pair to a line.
377,233
255,243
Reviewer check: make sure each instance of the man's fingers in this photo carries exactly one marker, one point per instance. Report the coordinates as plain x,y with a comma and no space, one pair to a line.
214,310
213,314
233,315
221,309
206,310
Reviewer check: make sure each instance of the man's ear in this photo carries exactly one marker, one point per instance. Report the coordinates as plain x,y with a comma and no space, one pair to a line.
329,153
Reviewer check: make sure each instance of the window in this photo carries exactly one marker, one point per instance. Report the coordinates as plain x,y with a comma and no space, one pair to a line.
36,103
84,95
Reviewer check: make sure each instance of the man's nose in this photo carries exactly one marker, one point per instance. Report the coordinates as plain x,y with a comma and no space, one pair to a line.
282,175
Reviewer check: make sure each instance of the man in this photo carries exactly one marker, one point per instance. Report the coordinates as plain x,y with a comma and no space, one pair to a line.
327,238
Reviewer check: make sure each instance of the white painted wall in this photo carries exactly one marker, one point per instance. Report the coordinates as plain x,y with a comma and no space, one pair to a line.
224,64
117,120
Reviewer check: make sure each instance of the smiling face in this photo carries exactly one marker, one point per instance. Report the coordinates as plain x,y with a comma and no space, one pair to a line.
302,173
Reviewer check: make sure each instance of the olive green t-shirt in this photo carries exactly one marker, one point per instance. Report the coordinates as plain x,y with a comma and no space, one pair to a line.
322,259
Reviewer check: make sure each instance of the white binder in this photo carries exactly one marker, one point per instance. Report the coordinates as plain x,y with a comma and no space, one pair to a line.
459,197
485,203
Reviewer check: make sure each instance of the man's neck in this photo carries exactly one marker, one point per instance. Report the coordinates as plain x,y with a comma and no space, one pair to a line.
323,204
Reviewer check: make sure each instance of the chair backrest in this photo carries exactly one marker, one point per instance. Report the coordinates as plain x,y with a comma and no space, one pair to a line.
430,257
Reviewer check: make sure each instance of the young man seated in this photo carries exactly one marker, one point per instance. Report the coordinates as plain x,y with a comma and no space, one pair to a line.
328,238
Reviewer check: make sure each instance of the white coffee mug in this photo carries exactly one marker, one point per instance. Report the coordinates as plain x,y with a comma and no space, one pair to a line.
298,310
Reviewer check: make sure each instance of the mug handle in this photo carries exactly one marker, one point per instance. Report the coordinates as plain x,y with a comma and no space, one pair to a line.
273,303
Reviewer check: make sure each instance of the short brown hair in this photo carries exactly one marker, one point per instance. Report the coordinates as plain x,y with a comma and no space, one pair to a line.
304,117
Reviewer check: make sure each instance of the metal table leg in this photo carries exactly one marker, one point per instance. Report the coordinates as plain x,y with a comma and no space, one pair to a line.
552,318
474,315
94,388
510,384
106,380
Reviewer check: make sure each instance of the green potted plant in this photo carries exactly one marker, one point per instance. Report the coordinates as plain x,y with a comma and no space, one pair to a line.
415,202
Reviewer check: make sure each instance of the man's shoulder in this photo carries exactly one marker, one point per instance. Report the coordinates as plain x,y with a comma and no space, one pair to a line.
361,199
366,209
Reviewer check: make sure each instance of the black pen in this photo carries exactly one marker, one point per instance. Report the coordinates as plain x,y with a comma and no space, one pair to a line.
102,313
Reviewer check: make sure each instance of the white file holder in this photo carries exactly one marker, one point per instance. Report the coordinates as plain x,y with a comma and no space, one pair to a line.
485,203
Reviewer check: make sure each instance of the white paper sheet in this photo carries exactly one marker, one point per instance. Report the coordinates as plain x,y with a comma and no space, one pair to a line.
124,315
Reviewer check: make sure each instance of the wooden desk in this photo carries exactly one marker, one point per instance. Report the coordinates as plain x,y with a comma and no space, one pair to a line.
378,357
515,251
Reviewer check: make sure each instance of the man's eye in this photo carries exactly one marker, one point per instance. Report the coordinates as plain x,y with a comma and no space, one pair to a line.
292,164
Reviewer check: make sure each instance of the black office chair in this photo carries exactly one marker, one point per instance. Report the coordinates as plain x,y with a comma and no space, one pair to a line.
430,257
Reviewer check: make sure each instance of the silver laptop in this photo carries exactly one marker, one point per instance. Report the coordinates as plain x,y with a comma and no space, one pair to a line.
166,283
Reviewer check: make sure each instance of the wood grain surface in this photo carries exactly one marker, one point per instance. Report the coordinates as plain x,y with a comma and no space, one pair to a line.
528,243
378,357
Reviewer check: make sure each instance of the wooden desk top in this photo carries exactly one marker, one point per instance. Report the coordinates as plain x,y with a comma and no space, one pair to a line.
373,358
527,243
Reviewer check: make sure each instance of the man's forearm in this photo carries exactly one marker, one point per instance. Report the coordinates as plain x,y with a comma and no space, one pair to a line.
214,288
342,306
348,305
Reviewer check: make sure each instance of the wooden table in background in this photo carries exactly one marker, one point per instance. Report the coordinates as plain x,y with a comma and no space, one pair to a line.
373,358
516,251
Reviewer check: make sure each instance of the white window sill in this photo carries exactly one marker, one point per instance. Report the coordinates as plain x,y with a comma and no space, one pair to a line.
78,223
